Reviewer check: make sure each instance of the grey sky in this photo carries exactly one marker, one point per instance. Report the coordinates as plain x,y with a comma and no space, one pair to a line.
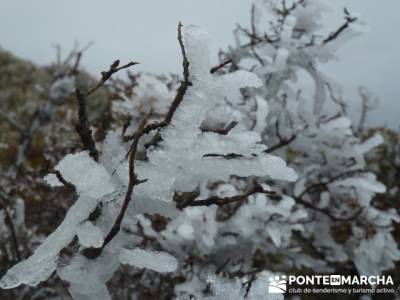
146,31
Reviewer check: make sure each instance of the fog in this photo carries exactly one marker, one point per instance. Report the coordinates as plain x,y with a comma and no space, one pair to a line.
145,31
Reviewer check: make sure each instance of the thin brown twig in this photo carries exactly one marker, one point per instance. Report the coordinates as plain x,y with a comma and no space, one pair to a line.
224,131
342,28
225,156
220,66
63,180
214,200
142,129
105,75
83,126
282,143
185,83
11,227
79,54
282,140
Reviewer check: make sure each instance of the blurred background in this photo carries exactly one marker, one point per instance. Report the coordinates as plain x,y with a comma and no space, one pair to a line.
145,31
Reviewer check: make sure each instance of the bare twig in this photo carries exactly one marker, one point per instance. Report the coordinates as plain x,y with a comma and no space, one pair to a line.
185,83
248,284
224,264
337,100
348,20
83,126
220,66
127,123
282,143
11,226
226,200
63,180
226,156
79,54
224,131
105,75
282,140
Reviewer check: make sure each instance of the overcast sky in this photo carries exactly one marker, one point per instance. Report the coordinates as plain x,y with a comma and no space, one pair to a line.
145,31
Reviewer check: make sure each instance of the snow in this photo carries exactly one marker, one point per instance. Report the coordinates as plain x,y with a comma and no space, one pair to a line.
43,262
370,143
90,178
92,182
90,235
189,158
161,262
224,289
376,254
61,89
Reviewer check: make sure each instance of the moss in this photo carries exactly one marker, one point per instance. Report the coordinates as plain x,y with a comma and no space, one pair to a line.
25,87
341,232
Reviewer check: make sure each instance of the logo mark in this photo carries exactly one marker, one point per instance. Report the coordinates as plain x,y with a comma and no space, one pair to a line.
335,279
277,284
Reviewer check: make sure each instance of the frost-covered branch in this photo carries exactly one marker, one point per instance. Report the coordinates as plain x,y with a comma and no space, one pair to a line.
62,179
220,66
133,181
348,20
368,103
214,200
83,126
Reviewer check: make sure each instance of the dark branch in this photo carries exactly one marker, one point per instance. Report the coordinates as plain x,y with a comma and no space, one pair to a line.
83,126
342,28
105,75
226,156
224,131
11,227
282,140
133,181
282,143
185,83
63,180
79,54
220,66
125,126
226,200
339,101
224,264
249,283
